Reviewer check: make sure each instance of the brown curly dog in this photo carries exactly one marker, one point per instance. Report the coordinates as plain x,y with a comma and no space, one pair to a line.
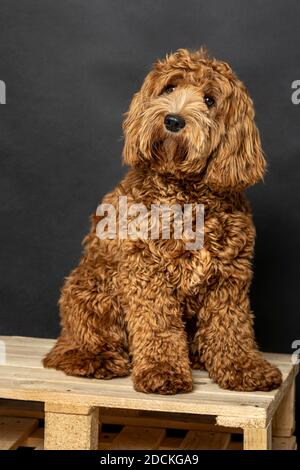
152,304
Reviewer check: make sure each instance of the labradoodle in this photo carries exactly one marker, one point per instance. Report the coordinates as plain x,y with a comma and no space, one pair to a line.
152,305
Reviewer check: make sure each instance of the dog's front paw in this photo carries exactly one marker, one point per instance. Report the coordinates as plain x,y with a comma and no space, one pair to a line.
258,376
164,379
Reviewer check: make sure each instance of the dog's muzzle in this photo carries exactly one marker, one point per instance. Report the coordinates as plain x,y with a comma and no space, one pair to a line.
174,122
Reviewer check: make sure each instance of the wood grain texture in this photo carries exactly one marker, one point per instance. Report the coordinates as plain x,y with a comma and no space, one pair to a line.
14,430
284,418
258,439
134,438
284,443
201,440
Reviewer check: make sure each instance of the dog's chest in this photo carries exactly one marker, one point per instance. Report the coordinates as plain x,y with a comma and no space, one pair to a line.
179,194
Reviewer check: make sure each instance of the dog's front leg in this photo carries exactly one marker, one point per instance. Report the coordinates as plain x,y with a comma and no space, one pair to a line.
157,338
226,340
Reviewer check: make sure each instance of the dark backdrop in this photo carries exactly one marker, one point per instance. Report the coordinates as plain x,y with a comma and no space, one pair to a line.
70,68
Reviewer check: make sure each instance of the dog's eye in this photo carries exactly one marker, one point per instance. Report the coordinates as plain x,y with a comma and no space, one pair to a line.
209,101
168,89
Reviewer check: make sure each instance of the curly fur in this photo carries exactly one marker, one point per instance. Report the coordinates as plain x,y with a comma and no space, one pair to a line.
153,305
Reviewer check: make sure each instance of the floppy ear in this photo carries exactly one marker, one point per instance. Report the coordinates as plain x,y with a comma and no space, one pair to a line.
131,123
130,130
238,160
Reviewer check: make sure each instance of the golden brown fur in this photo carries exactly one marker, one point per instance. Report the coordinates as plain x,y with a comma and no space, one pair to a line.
153,305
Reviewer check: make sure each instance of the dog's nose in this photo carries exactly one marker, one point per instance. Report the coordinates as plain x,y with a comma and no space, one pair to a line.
174,122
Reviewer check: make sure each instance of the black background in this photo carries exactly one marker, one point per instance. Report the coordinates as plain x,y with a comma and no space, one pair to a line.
71,67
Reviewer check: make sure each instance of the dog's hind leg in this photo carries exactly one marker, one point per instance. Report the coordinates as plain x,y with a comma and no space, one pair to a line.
93,341
73,360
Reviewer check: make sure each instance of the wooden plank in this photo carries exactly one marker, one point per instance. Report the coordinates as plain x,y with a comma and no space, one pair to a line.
35,439
71,431
278,443
170,443
26,340
200,377
163,420
201,440
280,393
115,398
235,445
40,382
258,439
284,418
19,408
106,440
55,380
284,443
15,430
206,389
135,438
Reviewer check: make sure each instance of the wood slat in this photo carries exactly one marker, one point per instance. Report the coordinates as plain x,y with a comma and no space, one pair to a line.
284,443
124,417
26,340
38,390
286,387
15,430
35,439
201,440
49,376
284,418
106,440
165,420
135,438
170,443
24,409
206,390
258,439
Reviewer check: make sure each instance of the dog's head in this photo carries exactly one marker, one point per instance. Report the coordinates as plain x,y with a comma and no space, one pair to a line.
193,116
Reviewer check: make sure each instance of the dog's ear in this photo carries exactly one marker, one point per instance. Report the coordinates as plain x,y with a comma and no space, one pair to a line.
238,160
131,123
130,130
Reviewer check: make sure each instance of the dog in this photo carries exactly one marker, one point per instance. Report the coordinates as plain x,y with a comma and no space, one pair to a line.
154,307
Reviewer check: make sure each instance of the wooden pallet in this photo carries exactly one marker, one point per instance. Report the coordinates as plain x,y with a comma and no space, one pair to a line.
22,426
73,407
